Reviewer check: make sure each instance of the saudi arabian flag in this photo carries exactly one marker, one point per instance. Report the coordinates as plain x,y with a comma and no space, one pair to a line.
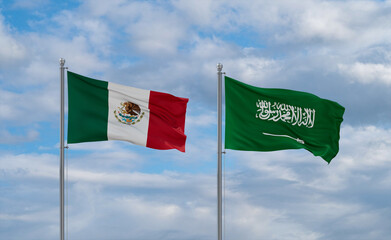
100,111
261,119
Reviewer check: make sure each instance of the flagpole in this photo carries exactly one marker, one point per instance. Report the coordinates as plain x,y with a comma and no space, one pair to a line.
62,68
219,152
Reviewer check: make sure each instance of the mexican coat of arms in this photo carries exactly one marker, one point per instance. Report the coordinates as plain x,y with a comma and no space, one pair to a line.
128,113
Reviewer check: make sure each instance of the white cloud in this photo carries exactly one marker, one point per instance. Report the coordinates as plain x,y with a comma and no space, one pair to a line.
201,120
367,73
156,32
324,21
361,149
349,23
135,180
42,216
42,68
76,51
100,146
210,15
256,222
204,14
171,216
252,70
13,106
93,30
367,147
88,169
10,48
29,4
8,138
160,38
150,29
30,166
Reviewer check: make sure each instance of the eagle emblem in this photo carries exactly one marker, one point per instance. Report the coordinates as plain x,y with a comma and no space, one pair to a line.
128,113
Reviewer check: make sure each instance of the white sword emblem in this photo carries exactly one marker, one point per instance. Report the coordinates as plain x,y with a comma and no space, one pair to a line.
275,135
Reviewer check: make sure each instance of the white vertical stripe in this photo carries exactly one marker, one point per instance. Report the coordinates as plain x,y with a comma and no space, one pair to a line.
116,130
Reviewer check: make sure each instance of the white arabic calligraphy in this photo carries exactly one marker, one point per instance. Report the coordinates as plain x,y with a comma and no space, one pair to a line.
287,113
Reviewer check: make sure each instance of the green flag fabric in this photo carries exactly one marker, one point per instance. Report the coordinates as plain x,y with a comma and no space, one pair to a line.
262,119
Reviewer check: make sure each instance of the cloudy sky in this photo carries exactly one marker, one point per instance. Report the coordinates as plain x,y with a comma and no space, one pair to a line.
338,50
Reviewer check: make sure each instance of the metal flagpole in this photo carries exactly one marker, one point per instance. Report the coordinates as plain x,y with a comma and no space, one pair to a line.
219,152
62,68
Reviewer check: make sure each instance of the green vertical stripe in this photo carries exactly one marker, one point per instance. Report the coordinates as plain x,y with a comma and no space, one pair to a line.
87,109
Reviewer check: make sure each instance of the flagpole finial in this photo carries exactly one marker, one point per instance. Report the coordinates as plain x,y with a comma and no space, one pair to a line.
219,67
62,61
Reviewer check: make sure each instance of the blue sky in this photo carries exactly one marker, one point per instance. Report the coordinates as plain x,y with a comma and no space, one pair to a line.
338,50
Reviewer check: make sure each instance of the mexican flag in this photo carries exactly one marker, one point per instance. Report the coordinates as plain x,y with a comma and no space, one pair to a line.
260,119
100,111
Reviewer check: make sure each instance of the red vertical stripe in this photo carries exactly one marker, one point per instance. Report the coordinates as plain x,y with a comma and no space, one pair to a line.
166,121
